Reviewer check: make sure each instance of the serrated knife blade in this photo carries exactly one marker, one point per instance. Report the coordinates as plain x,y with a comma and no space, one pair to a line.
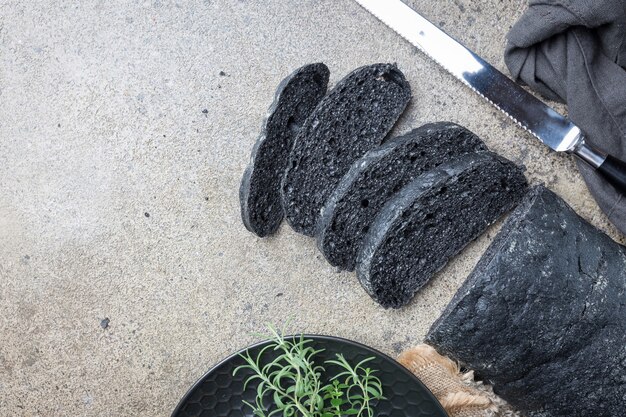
552,128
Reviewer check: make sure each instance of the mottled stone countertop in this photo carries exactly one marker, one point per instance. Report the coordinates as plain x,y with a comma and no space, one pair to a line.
125,270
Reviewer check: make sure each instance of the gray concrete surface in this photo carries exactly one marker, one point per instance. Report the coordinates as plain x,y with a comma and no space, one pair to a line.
121,151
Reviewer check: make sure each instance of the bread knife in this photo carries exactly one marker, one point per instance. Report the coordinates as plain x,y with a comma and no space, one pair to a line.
542,121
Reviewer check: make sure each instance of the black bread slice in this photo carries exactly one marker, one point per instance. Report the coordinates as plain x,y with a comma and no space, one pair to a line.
430,220
354,117
259,194
376,177
541,317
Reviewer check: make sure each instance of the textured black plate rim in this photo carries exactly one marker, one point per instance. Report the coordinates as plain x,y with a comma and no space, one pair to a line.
401,368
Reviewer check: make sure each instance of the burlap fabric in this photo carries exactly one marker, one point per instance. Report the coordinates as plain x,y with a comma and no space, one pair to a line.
458,392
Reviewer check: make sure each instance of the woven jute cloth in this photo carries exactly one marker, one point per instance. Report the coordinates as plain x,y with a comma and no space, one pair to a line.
458,392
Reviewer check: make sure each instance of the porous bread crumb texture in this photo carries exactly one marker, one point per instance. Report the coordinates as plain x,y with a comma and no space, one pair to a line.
295,98
353,118
431,220
376,177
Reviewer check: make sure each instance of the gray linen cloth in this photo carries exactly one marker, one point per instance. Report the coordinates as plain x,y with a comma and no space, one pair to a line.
574,51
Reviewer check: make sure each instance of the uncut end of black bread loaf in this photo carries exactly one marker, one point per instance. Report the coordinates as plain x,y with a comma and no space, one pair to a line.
541,317
431,219
354,117
376,177
259,194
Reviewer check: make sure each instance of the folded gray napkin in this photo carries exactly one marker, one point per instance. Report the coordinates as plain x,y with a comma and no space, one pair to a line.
574,51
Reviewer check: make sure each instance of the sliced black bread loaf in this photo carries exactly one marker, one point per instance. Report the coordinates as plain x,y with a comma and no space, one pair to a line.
259,194
431,219
543,315
376,177
354,117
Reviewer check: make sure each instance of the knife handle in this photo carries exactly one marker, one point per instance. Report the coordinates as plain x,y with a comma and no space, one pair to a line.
612,169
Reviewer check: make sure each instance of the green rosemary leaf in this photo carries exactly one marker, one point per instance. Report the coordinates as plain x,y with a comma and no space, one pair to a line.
277,411
278,401
373,391
336,402
292,378
249,380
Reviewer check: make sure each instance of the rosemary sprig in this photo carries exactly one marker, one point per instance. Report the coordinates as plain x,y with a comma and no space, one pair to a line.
294,382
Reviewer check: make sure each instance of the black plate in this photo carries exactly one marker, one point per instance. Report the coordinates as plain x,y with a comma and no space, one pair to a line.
218,393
